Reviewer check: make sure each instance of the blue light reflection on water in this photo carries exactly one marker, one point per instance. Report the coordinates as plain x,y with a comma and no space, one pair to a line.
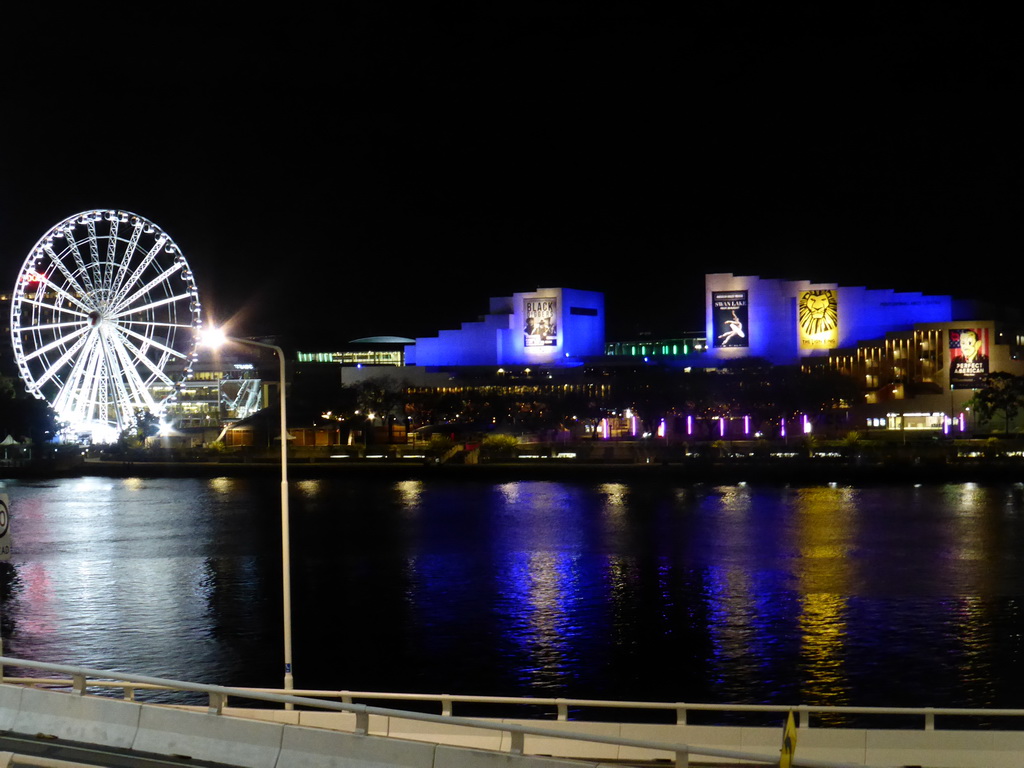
828,595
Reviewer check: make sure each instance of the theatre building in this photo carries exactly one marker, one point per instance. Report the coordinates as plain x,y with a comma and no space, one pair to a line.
549,327
917,358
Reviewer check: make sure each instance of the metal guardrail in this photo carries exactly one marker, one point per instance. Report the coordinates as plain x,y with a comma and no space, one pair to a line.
561,706
80,679
802,713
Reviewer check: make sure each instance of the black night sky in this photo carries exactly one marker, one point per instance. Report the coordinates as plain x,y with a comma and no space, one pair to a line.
385,171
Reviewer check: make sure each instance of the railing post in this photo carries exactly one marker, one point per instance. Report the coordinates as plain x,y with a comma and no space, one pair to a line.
682,758
803,717
362,723
563,710
78,684
518,742
680,714
446,706
929,719
217,701
129,693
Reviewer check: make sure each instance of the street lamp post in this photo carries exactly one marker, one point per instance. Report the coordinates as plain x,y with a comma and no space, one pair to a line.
214,338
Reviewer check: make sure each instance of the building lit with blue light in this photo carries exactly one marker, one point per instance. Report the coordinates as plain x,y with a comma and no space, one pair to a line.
916,358
549,327
785,321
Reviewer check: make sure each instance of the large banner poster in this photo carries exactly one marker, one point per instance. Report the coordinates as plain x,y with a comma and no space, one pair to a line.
968,357
818,319
729,318
540,330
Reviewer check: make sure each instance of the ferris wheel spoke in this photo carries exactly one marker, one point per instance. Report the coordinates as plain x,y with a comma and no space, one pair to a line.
151,305
70,395
141,357
94,397
59,290
58,262
139,270
109,264
129,254
139,390
154,324
126,303
53,310
61,361
55,344
153,343
76,254
95,262
122,402
48,326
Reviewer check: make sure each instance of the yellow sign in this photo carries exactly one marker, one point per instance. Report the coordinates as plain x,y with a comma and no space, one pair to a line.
788,742
818,319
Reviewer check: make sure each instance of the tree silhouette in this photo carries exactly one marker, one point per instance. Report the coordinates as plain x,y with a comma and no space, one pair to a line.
1002,393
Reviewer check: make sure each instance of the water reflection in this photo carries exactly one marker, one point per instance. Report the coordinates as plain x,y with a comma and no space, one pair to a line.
823,595
825,532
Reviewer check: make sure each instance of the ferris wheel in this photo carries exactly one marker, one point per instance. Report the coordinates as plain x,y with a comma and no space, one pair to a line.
104,320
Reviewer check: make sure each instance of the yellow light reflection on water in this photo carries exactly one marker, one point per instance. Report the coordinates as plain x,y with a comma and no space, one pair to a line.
615,497
222,485
309,488
825,524
410,492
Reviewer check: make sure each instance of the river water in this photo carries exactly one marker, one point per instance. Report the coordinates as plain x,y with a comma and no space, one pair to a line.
882,595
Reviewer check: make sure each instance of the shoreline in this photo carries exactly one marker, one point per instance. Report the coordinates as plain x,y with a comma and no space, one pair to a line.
781,472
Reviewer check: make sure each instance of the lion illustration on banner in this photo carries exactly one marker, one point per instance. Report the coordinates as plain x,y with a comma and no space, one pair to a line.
818,314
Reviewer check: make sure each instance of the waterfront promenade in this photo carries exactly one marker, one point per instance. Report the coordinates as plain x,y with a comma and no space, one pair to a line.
718,471
849,460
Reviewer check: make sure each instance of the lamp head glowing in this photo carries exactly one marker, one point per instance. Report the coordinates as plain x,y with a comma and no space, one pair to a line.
212,337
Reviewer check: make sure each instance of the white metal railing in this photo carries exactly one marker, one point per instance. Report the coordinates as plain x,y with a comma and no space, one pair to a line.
802,712
446,702
80,679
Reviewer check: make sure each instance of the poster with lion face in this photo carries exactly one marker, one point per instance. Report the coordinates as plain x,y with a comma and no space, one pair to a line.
818,319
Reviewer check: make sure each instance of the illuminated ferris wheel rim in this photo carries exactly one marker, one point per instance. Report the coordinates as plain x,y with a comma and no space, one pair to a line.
104,303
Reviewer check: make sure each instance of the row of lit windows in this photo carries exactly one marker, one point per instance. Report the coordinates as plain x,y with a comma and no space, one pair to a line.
667,348
364,357
521,389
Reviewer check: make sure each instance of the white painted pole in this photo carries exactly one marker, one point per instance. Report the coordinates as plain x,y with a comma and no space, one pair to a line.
286,560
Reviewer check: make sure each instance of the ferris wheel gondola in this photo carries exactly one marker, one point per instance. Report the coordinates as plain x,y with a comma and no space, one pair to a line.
105,317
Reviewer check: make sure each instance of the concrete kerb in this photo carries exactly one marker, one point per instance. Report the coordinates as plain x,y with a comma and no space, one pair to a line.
10,705
319,748
219,739
88,719
377,725
459,757
946,748
720,736
587,750
454,735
